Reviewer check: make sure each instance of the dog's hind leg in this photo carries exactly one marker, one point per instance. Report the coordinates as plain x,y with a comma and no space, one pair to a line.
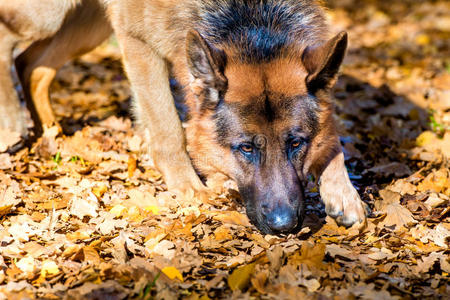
84,29
36,81
10,112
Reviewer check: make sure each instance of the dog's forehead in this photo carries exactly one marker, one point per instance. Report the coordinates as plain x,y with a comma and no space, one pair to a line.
246,82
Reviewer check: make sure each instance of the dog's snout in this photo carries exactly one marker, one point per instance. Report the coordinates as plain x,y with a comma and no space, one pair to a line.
281,219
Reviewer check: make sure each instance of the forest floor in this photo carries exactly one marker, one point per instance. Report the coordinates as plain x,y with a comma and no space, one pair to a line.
84,215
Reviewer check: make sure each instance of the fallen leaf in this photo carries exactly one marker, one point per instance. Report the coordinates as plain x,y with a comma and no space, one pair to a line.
27,265
8,139
99,191
131,166
333,250
425,138
434,201
172,273
4,210
5,161
259,281
222,233
240,277
152,209
84,206
437,181
310,254
394,168
49,267
164,248
118,210
397,216
232,217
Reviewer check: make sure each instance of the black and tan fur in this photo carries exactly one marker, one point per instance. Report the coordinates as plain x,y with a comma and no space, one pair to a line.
257,75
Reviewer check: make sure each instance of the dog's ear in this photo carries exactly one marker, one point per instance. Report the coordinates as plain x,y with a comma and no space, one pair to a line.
206,65
322,62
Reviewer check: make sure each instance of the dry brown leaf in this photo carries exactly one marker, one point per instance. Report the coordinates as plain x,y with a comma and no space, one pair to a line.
259,281
91,255
8,139
334,250
222,233
394,168
437,181
232,217
310,254
397,216
5,161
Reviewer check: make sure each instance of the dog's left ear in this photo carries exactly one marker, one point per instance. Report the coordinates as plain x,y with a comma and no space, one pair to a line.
206,65
322,62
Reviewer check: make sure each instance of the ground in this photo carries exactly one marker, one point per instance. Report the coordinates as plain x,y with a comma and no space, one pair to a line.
83,215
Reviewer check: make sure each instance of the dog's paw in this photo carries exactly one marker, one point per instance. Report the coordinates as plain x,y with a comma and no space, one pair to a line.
188,187
343,203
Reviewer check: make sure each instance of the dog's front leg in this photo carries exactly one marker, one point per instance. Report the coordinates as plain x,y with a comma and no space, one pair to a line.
156,114
341,199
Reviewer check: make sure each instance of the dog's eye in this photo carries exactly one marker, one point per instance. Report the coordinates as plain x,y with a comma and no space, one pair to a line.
297,143
246,148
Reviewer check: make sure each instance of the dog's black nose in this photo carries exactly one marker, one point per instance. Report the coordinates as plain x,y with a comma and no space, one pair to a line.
281,219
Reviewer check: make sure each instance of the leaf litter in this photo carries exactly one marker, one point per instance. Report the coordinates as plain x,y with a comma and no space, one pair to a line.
86,216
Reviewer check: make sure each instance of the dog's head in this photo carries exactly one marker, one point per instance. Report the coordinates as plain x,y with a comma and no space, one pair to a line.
265,125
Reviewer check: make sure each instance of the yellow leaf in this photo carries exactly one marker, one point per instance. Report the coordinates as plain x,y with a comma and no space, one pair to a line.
78,235
240,278
425,138
49,267
5,210
152,209
172,273
99,191
422,39
370,239
135,214
118,210
131,166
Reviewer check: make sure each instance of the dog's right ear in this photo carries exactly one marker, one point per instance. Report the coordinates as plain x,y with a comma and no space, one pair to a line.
206,65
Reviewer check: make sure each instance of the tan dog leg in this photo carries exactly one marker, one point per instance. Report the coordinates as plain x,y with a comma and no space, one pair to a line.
83,30
41,79
10,111
156,114
341,199
37,68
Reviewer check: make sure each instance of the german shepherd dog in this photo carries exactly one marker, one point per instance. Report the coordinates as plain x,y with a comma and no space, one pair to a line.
256,74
